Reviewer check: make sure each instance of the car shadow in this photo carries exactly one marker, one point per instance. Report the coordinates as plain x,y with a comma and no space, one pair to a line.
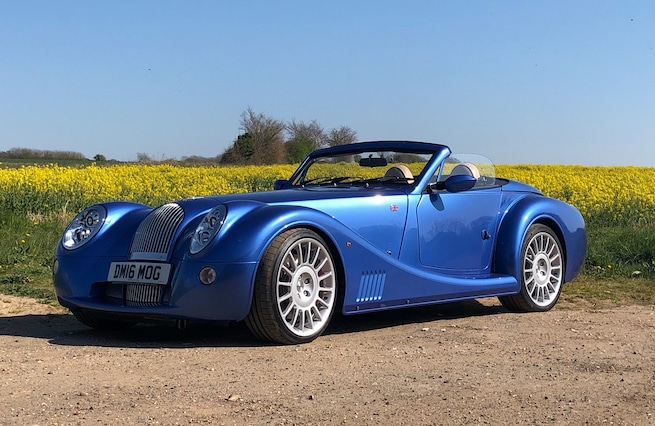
64,329
376,320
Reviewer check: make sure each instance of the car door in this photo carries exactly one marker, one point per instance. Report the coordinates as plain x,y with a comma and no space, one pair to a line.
457,230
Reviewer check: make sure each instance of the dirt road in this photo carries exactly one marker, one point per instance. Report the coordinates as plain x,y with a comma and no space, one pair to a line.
466,363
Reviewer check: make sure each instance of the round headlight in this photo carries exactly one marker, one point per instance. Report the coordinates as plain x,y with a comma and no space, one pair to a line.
208,228
83,227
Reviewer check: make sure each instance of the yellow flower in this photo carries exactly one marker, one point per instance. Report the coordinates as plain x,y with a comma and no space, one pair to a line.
616,193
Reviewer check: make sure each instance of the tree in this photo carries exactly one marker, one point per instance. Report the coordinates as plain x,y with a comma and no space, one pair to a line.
262,141
99,157
308,132
341,136
142,157
240,152
298,148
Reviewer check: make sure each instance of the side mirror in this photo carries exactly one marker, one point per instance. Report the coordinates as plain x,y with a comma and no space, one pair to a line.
281,184
459,183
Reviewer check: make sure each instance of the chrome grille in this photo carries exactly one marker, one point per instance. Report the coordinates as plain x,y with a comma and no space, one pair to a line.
143,294
153,237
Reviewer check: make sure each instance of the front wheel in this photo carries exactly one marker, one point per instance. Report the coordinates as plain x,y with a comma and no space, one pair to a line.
542,272
295,289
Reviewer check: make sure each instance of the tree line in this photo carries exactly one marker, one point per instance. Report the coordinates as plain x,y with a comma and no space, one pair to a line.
263,140
36,154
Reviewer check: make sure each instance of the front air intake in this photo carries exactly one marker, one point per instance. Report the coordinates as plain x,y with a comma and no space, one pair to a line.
152,240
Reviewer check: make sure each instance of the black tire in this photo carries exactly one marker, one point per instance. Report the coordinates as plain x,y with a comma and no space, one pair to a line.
100,322
295,292
542,272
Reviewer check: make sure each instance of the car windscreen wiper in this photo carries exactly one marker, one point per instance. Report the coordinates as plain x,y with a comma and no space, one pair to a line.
327,181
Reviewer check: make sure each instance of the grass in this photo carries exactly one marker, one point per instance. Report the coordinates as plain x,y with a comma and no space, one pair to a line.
26,255
615,290
619,268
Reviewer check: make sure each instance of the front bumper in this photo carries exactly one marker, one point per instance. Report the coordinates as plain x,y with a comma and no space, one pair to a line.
82,284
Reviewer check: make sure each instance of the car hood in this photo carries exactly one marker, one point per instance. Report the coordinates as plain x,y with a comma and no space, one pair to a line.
302,195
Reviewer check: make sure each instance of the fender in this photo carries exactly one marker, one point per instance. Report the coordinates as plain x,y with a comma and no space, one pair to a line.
116,232
253,226
565,221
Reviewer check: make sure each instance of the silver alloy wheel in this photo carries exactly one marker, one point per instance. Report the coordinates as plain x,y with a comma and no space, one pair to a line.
542,269
305,287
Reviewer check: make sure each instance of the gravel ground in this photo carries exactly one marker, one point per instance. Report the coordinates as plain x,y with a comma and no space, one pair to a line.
464,363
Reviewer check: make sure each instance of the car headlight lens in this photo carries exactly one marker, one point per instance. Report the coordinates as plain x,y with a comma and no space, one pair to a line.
84,227
208,228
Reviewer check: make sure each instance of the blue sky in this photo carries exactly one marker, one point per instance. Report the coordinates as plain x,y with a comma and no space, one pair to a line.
539,82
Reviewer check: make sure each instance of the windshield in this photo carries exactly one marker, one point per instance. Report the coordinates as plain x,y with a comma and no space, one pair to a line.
474,165
365,168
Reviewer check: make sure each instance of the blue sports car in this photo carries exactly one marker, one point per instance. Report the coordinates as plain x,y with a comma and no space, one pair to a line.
357,228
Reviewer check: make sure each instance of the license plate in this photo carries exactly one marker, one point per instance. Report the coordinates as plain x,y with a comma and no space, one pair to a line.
139,272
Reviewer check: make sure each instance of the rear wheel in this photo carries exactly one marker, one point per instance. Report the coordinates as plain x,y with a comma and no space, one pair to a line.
101,322
295,289
542,272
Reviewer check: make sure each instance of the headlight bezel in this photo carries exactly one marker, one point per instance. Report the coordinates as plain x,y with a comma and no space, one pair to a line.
207,229
84,227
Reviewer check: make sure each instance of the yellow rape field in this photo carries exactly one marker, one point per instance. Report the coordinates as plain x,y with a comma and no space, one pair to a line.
616,194
47,189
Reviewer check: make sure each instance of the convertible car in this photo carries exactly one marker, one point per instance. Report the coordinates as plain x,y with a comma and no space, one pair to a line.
357,228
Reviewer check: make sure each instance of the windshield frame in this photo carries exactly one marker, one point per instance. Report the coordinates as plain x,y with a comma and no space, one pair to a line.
434,154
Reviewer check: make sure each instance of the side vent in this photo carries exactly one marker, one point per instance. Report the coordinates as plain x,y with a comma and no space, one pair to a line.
371,286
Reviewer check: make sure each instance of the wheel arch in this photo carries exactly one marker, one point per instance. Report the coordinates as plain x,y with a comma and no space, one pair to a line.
337,255
515,224
557,229
299,318
261,225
